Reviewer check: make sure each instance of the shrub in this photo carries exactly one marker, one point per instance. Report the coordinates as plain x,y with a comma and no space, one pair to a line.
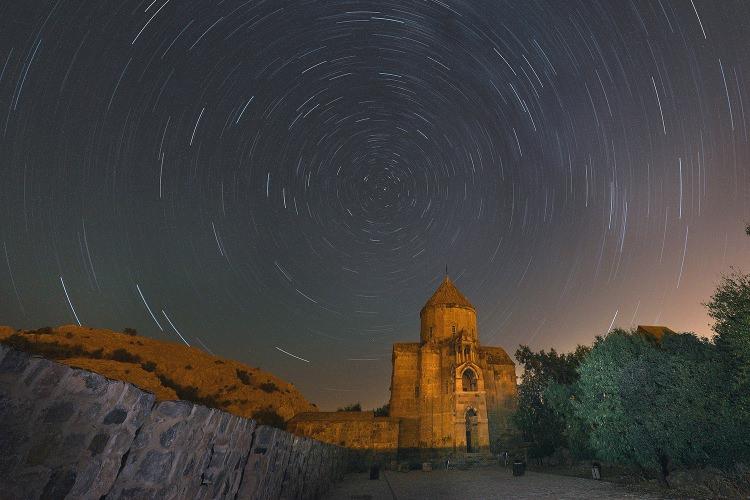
268,387
188,367
45,330
130,331
149,366
50,350
244,377
354,407
383,411
189,392
268,416
124,356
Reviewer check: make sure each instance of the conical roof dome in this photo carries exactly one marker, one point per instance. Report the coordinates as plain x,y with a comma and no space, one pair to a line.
448,295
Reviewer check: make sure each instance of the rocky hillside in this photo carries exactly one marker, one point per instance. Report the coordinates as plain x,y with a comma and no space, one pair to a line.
169,370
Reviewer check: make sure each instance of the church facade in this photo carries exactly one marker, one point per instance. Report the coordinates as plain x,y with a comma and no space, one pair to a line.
448,391
449,394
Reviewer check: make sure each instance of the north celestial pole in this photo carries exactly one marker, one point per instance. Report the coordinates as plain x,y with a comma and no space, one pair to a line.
284,181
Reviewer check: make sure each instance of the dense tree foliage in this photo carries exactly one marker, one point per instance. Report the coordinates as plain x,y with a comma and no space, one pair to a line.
648,402
656,402
730,308
541,423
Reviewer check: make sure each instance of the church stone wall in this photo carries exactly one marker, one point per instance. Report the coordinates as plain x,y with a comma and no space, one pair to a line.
70,433
404,379
441,319
500,383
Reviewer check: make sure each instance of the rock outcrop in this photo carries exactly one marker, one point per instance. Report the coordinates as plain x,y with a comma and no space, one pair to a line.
71,433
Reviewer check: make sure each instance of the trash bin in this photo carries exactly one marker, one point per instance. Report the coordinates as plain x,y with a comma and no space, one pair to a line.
519,468
375,471
596,471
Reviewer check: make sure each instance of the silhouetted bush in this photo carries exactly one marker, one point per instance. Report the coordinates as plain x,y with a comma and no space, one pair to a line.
354,407
268,387
130,331
124,356
45,330
188,367
51,350
149,366
268,416
189,393
383,411
244,377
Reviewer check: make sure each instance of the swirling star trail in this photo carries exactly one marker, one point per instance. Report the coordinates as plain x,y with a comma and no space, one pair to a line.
298,173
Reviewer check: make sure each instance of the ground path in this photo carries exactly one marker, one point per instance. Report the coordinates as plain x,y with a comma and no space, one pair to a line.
479,483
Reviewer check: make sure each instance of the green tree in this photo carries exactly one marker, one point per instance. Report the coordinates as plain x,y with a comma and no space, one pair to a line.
730,308
541,423
648,403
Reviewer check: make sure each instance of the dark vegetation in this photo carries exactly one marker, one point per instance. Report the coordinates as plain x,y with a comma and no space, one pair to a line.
269,387
244,377
149,366
130,331
51,350
383,411
190,393
632,399
352,407
124,356
268,416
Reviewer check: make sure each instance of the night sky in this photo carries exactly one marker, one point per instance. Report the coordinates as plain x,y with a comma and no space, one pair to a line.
275,180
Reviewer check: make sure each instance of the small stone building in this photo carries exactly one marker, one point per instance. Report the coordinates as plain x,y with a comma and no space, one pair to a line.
449,394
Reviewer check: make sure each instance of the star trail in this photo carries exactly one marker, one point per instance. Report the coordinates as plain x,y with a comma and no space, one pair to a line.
288,179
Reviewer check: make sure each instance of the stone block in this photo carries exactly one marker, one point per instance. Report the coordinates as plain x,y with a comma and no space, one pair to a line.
186,451
291,487
54,442
264,471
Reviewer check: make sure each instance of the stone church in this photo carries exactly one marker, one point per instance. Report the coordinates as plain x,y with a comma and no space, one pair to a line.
449,391
449,394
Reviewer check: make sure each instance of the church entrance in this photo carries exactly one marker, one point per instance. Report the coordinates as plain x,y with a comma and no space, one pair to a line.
472,431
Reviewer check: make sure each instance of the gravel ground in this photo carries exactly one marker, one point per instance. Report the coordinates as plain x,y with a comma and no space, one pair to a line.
479,483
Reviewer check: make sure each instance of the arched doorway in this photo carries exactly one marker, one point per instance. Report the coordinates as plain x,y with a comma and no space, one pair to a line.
472,431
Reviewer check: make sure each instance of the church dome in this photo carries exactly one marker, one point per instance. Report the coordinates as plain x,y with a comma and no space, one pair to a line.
447,295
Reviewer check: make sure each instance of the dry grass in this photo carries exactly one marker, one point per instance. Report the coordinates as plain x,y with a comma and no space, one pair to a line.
169,370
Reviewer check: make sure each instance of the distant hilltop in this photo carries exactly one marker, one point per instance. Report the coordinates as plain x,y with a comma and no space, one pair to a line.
170,371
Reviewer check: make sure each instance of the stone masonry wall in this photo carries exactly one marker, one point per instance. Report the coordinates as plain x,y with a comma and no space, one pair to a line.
70,433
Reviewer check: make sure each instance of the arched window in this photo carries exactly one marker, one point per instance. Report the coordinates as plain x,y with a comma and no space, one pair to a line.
467,352
453,329
469,380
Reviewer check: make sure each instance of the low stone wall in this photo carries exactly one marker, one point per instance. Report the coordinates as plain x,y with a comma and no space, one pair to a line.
70,433
358,430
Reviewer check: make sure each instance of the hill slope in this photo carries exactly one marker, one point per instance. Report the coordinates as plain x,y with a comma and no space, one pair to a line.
169,370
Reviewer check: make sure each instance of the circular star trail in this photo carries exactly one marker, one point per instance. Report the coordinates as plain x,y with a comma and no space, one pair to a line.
284,182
